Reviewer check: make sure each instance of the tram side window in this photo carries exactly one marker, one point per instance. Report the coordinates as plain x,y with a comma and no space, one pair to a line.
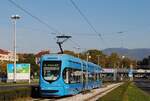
100,76
65,76
97,76
71,75
91,77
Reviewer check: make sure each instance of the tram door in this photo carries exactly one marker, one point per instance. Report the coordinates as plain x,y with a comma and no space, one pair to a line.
84,79
83,66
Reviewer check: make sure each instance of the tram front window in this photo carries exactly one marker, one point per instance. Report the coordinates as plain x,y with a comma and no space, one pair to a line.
51,70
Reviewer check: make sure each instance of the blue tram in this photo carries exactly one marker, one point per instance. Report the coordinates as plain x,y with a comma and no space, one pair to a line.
62,75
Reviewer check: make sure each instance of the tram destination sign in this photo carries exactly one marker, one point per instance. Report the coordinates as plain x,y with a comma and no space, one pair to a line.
54,66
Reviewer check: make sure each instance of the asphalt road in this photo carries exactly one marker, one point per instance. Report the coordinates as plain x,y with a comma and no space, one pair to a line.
143,84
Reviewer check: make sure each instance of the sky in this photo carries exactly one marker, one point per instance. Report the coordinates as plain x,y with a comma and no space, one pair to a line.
121,23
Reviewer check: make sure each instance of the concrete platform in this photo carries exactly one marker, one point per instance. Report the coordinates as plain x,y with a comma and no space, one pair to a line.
92,95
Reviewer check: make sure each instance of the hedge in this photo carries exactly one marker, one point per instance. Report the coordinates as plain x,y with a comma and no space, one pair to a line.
11,95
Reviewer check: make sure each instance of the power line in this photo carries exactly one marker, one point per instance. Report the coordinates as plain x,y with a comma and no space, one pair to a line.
38,19
78,46
75,43
88,22
33,16
85,18
50,27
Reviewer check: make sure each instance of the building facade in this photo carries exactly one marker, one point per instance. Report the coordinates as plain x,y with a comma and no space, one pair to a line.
7,56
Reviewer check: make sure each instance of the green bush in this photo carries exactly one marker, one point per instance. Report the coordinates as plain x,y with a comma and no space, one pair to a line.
11,95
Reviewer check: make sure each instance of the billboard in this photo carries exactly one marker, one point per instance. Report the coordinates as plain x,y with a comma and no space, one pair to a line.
130,73
108,70
22,71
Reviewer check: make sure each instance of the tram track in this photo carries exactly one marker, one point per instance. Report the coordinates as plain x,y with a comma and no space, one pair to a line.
90,96
100,94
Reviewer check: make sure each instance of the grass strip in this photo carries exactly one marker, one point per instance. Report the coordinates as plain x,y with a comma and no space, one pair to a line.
133,93
126,92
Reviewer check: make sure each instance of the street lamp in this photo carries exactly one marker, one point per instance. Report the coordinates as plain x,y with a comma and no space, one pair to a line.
122,61
14,19
122,66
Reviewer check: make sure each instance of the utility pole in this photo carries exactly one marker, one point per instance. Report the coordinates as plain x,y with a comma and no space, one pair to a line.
78,48
122,58
87,59
121,37
98,59
114,76
14,19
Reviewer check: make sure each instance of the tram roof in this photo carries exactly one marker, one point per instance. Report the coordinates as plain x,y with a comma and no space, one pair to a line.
68,57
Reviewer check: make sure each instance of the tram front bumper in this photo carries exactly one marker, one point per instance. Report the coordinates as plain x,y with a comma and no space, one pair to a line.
52,91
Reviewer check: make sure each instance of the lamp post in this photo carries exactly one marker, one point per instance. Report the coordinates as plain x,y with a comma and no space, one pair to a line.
87,59
77,48
122,66
14,19
122,60
98,56
114,76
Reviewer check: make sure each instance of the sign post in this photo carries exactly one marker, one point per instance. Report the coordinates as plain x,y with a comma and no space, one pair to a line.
130,73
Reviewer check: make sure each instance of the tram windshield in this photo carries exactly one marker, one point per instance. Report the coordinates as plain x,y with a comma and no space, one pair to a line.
51,70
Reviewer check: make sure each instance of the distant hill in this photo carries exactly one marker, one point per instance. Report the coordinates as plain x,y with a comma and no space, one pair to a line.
138,53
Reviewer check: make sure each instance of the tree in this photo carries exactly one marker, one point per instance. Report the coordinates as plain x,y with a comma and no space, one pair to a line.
70,53
125,63
3,66
113,60
96,56
145,63
103,60
29,58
